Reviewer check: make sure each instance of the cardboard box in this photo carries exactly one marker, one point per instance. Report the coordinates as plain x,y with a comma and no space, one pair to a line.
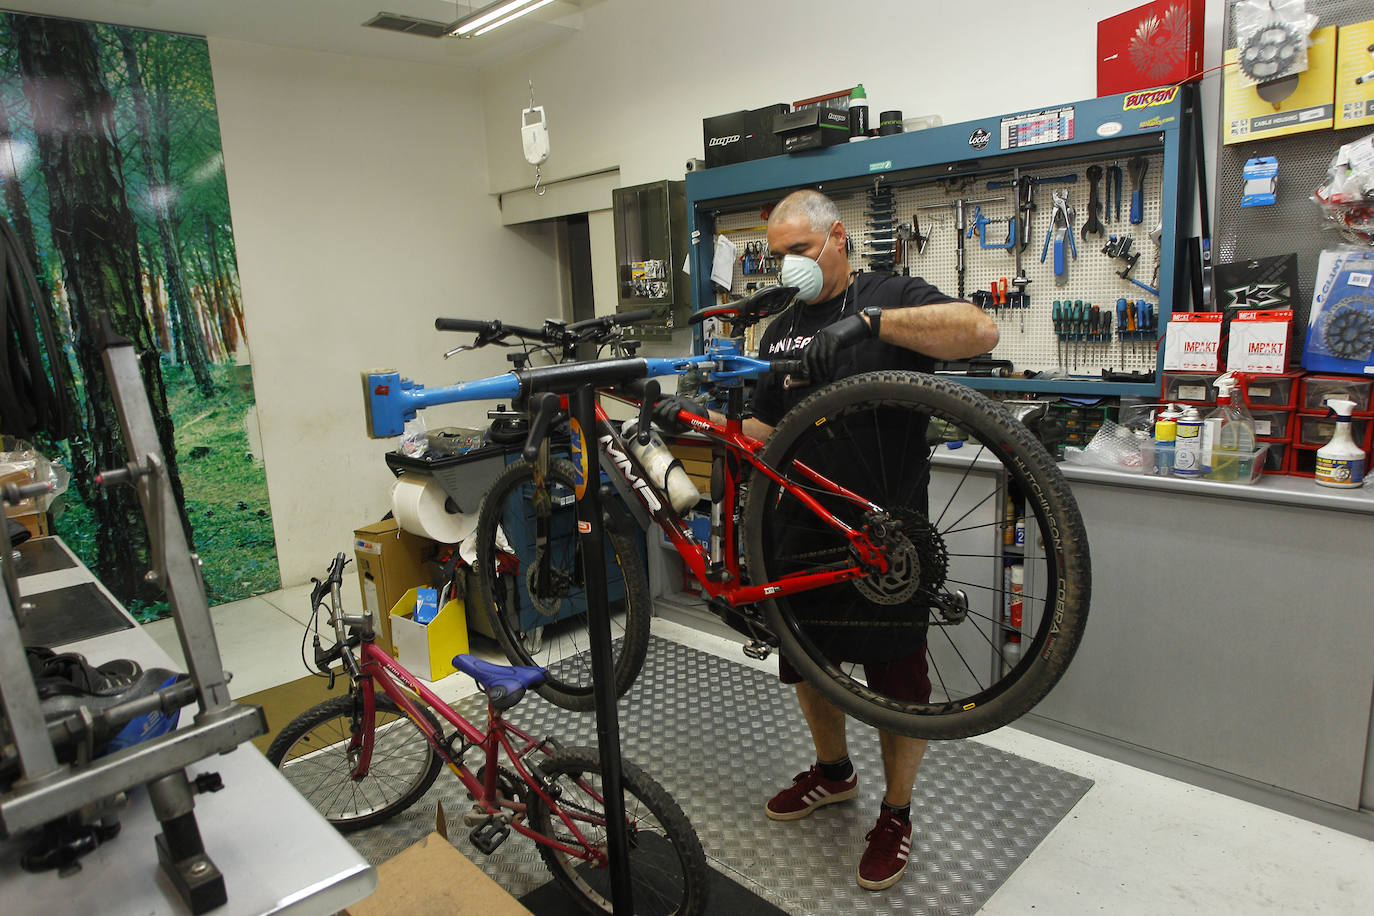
390,561
812,128
741,135
432,878
427,650
1158,44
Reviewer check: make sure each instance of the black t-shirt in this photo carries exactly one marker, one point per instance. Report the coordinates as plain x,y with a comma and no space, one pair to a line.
790,332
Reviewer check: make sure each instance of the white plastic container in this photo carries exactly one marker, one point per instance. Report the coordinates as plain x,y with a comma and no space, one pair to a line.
665,470
1340,462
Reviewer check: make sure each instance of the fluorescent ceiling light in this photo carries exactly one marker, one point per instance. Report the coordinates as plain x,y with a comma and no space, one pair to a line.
494,16
515,15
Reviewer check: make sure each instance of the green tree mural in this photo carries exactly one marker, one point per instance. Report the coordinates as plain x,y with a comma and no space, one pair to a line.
112,175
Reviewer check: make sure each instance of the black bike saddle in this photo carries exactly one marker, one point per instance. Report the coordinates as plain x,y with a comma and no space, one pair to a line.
750,310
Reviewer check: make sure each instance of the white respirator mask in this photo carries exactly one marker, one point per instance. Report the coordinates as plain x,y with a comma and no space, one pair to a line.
804,273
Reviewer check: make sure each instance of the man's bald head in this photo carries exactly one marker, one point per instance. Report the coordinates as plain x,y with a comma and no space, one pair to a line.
818,211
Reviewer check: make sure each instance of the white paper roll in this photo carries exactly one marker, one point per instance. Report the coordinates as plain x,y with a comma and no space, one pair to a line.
418,502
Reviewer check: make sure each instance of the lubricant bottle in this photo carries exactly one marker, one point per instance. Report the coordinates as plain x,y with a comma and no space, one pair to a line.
1011,645
1188,444
1340,462
664,469
1166,433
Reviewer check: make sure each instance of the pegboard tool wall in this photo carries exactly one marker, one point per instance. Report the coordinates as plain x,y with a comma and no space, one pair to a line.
1293,223
1028,337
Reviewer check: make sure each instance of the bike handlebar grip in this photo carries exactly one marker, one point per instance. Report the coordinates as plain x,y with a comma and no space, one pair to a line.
544,407
462,324
794,367
634,317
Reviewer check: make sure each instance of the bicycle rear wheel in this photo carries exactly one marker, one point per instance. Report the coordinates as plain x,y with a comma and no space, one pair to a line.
312,753
667,865
945,527
532,575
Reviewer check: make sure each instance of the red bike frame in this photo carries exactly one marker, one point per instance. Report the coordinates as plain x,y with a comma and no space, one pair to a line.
376,665
720,576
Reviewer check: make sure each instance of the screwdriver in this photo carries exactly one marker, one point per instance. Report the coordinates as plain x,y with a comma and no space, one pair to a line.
1058,314
1095,323
1142,318
1077,330
1121,309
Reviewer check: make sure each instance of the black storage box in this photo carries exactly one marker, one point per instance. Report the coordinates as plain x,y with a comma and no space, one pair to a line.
742,135
811,128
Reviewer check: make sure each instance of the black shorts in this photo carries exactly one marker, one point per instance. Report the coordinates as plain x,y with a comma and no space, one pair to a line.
906,678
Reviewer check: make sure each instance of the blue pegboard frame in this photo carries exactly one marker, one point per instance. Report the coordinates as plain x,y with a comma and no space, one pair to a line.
1116,126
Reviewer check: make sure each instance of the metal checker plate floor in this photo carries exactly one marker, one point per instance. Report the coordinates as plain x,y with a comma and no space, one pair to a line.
722,738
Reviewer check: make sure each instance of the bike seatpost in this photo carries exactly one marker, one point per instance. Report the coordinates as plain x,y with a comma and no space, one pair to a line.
543,410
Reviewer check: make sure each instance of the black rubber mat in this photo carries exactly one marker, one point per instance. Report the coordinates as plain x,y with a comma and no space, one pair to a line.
67,615
726,898
41,556
722,738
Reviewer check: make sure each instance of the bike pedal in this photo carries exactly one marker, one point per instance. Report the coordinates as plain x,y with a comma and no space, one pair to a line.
490,834
475,816
757,649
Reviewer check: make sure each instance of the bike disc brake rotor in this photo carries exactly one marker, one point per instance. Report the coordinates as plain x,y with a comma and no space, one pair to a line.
548,591
916,557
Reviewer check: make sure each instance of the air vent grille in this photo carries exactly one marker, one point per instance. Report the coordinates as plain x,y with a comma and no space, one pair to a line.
411,25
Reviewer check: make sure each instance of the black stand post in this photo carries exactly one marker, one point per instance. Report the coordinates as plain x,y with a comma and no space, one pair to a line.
589,528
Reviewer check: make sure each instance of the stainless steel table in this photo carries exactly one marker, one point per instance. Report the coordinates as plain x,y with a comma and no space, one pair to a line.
276,852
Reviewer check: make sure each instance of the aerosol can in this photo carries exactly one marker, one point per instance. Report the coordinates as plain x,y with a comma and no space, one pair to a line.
1166,434
1340,462
665,470
1188,445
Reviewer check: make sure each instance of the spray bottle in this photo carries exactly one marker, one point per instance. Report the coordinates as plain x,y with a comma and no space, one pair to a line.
1228,433
1340,462
1166,433
1188,444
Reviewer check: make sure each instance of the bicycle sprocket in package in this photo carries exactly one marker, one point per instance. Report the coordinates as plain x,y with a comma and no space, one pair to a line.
1272,37
1340,330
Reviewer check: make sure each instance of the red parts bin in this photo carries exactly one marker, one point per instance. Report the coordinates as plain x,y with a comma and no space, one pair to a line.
1271,391
1316,389
1190,387
1273,425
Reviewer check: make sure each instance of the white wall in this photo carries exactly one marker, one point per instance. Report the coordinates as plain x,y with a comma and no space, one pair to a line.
631,88
360,205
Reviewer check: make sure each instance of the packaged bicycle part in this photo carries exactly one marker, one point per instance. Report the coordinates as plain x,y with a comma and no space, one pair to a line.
1271,37
1340,329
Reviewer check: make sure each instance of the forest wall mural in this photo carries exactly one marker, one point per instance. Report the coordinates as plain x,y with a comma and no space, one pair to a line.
113,178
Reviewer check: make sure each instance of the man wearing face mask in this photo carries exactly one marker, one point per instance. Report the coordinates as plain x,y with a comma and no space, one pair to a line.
843,323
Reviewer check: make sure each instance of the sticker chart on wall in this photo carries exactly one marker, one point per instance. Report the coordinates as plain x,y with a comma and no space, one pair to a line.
1085,303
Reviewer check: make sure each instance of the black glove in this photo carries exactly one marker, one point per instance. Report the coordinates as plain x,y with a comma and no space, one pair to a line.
666,411
820,355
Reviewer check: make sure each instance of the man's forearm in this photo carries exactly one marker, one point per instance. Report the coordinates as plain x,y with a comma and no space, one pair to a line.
944,330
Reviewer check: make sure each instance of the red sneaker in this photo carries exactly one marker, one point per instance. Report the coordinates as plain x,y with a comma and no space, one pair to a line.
889,848
809,791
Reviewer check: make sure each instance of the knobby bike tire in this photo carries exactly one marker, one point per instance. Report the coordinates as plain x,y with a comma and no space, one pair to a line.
569,684
866,408
668,870
311,753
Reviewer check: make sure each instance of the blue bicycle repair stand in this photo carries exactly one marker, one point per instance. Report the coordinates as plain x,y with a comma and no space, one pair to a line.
587,460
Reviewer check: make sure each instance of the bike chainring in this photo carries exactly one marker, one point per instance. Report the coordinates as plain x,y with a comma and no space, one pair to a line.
916,557
1348,330
547,597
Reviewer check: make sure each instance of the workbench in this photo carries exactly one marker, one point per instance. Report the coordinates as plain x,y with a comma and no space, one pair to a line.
277,854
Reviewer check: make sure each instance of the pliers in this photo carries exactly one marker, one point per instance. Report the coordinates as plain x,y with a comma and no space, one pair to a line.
1061,227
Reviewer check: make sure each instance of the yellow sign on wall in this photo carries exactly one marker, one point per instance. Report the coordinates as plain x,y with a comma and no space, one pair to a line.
1355,75
1310,107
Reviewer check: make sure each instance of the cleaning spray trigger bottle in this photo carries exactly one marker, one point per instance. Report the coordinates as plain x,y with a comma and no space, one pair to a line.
1340,462
1228,434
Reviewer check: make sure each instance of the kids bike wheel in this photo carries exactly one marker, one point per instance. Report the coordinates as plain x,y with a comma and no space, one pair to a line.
532,574
668,871
312,753
987,619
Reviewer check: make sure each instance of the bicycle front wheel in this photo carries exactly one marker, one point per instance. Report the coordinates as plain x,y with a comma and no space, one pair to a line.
533,581
312,753
990,619
668,868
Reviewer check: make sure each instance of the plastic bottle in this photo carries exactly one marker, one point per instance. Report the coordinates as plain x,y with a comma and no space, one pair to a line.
1228,436
1188,444
664,469
858,114
1340,462
1011,646
1166,433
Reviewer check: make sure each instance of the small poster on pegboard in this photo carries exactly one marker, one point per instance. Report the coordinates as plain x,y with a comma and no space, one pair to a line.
1256,283
1340,330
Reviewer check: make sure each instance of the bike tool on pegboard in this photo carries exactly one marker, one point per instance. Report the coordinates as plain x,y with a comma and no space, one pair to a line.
960,207
882,245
